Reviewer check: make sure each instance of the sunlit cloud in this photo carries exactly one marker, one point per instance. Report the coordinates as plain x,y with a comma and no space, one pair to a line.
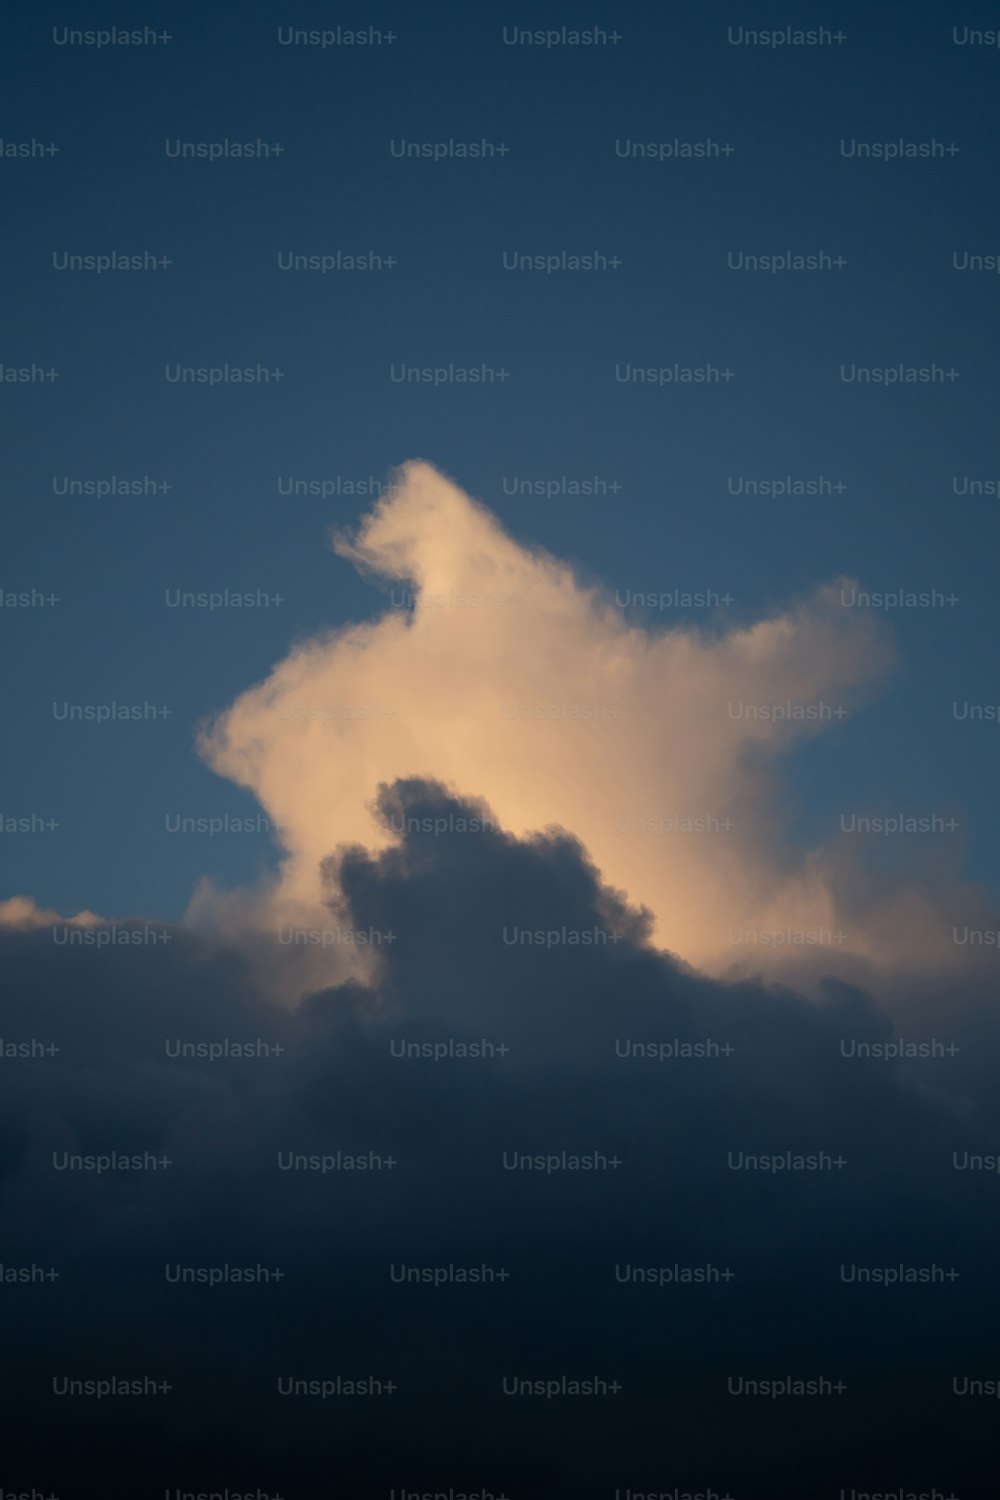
496,671
23,912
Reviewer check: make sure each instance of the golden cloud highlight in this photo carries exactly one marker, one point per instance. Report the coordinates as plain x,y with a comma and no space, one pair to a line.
511,680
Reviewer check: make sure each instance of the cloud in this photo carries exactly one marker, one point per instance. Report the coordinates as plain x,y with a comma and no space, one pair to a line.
606,1054
496,671
23,911
505,963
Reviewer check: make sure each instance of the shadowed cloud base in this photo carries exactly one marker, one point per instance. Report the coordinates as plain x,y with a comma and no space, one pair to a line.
452,974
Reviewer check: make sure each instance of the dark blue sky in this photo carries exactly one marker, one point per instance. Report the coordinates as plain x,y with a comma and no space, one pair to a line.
560,188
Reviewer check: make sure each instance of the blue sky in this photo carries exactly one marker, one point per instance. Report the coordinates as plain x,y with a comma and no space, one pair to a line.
561,188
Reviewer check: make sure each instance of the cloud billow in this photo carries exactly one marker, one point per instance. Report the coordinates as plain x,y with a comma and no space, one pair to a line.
495,670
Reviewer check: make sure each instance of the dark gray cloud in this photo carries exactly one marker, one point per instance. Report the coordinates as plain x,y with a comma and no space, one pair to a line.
766,1078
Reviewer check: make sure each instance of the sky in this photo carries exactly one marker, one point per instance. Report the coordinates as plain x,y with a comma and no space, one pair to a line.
338,416
616,472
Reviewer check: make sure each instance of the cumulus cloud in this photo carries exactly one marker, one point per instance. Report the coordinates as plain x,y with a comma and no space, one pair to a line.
495,670
500,955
